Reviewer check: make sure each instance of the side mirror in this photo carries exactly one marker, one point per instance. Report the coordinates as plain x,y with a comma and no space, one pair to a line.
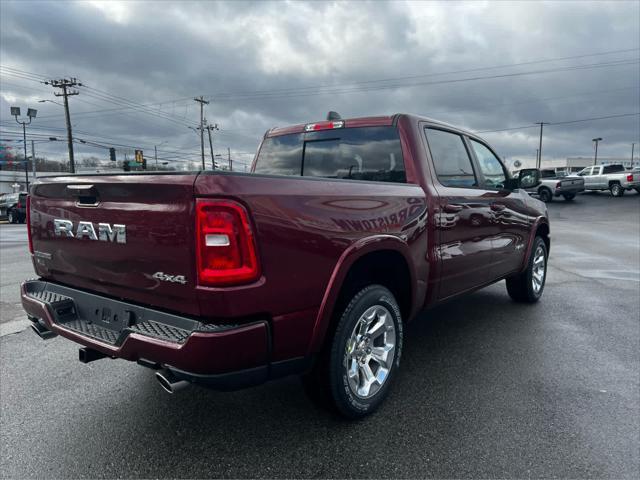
529,178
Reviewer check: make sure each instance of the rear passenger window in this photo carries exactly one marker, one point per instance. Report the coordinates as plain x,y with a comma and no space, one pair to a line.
450,159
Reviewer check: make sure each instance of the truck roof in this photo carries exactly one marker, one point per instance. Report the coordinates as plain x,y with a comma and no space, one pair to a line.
371,121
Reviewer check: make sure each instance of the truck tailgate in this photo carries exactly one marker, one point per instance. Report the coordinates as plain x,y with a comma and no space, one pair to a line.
128,236
572,183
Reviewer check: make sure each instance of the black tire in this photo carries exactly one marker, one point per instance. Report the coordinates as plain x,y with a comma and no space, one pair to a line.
521,287
569,196
637,190
616,189
328,382
11,217
545,195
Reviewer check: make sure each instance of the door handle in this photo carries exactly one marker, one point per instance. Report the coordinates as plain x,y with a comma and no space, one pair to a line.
450,208
497,207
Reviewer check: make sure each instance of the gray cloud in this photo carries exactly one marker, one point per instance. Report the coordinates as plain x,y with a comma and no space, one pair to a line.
170,52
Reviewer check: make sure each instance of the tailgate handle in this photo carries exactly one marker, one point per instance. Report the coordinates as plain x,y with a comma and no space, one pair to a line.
87,194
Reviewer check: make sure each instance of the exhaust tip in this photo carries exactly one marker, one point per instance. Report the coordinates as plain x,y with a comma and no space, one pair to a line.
169,382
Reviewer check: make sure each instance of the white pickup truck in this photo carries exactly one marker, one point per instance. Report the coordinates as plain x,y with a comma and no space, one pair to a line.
610,177
554,186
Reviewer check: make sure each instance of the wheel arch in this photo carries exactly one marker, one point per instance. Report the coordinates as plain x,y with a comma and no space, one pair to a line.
544,187
363,263
540,228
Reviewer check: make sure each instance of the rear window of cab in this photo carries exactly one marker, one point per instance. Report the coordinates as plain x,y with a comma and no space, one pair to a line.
364,153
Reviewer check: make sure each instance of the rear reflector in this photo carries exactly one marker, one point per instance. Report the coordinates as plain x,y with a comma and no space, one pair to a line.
30,239
226,249
312,127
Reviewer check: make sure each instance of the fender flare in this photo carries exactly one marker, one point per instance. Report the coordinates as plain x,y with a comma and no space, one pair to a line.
354,252
539,221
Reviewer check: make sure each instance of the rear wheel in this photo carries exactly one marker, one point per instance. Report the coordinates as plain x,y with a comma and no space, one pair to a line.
637,189
569,196
527,287
355,371
545,195
616,189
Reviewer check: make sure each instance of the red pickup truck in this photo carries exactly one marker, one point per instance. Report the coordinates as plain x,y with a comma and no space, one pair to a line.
311,264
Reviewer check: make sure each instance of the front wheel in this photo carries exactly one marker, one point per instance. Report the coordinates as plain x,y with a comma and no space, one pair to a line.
356,370
11,217
616,190
527,287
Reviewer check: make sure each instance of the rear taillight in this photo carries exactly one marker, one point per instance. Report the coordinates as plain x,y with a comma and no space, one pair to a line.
226,248
29,223
630,178
558,185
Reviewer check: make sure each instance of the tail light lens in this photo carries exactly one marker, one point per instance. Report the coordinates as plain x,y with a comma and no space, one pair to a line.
558,185
226,247
29,223
630,178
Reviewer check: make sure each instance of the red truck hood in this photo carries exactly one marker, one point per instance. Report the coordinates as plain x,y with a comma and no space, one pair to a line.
152,263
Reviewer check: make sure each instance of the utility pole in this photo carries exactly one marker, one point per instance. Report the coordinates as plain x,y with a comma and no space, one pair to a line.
155,155
230,162
633,145
209,128
202,103
539,161
33,158
67,91
213,161
595,158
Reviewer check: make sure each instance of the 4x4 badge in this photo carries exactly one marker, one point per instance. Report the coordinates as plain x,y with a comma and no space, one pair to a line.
170,278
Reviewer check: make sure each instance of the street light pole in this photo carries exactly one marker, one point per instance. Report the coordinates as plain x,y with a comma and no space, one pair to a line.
633,145
33,158
31,113
26,161
597,140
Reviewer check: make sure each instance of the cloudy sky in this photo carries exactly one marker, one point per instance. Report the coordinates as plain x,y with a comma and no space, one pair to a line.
481,65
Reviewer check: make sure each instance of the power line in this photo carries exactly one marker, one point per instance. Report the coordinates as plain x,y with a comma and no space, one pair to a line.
301,90
561,123
341,90
452,72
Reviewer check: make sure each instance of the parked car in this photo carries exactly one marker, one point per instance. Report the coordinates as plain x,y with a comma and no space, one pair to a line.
13,207
553,185
610,177
312,264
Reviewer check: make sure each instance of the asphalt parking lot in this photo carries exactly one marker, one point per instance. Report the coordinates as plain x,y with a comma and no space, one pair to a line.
488,388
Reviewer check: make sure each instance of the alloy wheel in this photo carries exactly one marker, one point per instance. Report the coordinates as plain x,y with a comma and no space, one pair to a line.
370,351
538,272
